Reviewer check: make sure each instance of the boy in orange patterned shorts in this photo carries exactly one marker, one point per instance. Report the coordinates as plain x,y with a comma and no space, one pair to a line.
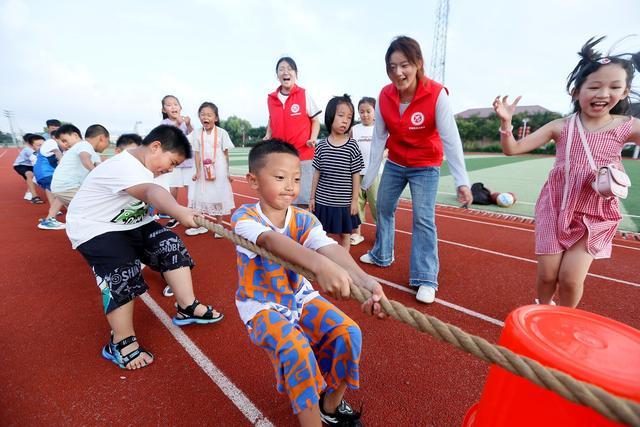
314,347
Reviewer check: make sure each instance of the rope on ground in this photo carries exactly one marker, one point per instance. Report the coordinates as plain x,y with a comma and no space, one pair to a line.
612,407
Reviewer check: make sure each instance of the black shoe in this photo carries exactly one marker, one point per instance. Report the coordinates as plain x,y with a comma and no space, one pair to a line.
172,223
344,415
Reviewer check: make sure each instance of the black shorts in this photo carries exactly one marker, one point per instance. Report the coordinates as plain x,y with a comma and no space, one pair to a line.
22,170
116,258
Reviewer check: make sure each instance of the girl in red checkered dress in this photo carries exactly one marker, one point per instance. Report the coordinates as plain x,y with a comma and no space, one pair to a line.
574,224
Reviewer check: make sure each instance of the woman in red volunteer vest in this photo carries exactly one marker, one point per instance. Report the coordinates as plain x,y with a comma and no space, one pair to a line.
414,121
293,117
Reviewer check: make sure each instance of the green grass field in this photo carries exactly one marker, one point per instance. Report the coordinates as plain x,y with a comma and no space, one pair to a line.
522,175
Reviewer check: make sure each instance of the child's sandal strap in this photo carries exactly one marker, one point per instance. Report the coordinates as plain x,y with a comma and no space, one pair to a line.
125,342
130,357
189,310
209,313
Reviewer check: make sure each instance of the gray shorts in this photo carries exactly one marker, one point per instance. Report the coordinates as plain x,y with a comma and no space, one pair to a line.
306,177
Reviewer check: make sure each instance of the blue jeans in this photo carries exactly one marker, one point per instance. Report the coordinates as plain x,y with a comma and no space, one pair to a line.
423,184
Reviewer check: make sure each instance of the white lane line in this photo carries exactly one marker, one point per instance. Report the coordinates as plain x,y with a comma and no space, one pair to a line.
528,230
2,154
492,252
533,261
443,302
637,285
230,390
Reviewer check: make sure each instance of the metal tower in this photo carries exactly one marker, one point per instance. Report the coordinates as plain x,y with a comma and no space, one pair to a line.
10,115
439,53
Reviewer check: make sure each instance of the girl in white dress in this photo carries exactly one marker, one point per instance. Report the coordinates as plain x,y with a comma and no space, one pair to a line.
211,192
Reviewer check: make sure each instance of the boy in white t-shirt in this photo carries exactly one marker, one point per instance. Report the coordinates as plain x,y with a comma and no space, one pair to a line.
78,160
108,222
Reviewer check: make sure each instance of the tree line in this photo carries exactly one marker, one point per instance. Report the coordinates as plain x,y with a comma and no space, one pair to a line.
474,131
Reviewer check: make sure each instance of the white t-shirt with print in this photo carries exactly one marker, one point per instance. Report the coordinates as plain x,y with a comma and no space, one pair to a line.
102,204
70,171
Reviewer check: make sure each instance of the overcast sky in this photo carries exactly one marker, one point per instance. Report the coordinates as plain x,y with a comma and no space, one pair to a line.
111,62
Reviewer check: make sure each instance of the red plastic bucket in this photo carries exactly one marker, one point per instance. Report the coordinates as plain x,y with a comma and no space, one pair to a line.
586,346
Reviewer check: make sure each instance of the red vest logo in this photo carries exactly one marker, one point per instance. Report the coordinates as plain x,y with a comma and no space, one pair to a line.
417,118
295,108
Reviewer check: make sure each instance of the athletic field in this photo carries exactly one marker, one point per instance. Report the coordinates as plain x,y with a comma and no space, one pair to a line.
522,175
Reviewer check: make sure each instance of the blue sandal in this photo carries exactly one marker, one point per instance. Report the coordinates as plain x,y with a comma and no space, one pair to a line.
186,316
112,352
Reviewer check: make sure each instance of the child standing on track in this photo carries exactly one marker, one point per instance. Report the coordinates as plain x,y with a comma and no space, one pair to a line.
49,155
314,347
211,192
108,222
574,224
363,134
81,158
23,165
336,178
181,175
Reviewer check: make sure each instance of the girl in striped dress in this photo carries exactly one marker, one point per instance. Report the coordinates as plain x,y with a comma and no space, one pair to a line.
337,163
574,224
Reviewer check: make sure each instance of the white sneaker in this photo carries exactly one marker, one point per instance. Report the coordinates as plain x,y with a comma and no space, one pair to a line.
537,301
356,239
217,236
195,231
366,258
51,224
426,294
167,292
28,195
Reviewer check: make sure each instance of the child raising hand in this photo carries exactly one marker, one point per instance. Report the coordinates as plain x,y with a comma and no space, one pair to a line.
574,223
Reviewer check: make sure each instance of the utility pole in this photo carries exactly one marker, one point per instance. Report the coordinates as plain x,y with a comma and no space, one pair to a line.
9,115
439,53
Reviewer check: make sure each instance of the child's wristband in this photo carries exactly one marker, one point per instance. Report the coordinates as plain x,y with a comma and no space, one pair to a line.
505,132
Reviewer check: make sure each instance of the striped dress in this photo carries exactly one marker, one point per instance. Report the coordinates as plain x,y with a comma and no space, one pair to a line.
585,212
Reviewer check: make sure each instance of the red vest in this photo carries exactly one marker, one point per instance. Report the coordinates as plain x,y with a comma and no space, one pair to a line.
291,123
413,140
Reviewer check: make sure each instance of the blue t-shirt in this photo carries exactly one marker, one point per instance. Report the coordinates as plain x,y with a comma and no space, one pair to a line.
24,158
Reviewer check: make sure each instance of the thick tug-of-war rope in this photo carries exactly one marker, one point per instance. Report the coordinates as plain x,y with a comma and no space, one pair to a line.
613,407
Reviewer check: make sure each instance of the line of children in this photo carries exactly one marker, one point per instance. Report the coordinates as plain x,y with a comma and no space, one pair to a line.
23,165
81,158
574,224
314,347
336,179
108,222
211,191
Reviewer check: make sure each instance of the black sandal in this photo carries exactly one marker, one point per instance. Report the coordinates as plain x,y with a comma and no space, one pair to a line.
112,352
186,316
37,200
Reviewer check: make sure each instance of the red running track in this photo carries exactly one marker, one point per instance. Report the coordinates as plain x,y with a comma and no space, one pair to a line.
53,328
